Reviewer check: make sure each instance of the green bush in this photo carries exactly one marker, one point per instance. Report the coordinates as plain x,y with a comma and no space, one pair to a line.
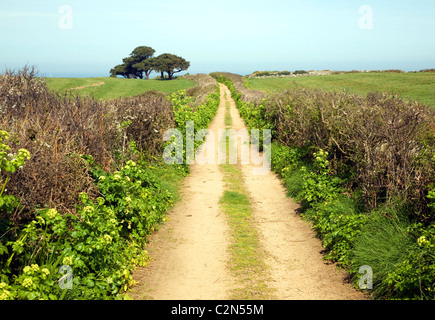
102,244
287,163
319,185
201,115
338,223
9,163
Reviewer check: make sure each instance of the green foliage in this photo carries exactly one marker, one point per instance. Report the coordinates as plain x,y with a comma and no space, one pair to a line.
132,67
300,72
414,276
401,254
335,217
141,63
102,244
287,163
170,64
146,66
135,196
319,185
9,163
185,110
338,223
263,74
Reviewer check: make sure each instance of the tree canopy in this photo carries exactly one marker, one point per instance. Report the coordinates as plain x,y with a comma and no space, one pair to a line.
146,66
170,64
141,63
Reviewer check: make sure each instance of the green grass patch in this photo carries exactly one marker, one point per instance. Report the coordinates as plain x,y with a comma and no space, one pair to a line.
235,198
171,177
228,119
247,257
413,86
383,245
114,87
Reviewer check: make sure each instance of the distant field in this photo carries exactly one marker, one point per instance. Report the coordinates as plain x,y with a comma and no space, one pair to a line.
414,86
115,88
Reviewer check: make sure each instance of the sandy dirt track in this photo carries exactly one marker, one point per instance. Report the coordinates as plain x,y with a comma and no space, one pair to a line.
189,253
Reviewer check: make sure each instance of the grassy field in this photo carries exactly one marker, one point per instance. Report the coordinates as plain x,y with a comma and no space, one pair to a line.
413,86
115,88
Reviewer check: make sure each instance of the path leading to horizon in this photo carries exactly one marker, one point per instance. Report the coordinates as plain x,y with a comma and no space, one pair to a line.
190,253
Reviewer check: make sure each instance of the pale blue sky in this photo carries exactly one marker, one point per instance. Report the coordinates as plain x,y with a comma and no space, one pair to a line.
237,36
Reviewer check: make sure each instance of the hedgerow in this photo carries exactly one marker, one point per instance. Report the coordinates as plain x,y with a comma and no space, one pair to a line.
106,196
363,170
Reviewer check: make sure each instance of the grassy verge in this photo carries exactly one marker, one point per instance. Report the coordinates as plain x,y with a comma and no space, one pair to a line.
170,177
413,86
247,257
114,87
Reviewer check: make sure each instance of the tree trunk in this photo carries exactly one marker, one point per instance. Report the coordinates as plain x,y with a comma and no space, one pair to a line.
169,74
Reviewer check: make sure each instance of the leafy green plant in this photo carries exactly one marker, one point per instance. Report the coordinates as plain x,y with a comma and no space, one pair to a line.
287,163
101,245
201,115
338,223
414,275
135,196
319,185
9,163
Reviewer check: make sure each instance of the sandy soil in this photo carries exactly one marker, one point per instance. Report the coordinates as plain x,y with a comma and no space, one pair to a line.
190,251
91,85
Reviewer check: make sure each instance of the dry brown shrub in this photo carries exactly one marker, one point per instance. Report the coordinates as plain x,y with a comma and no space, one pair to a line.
57,130
385,143
205,85
150,114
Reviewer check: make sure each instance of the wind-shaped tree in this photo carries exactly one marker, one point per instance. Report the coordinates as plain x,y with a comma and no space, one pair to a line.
170,64
129,69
